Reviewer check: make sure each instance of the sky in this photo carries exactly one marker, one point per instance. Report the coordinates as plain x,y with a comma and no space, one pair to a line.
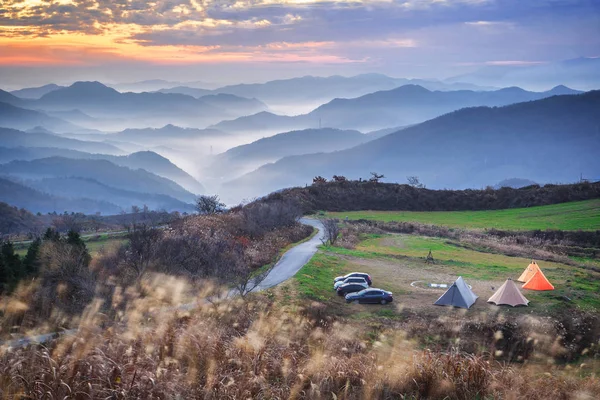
61,41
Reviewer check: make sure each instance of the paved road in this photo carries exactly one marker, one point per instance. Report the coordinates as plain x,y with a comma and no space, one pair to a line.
287,266
295,258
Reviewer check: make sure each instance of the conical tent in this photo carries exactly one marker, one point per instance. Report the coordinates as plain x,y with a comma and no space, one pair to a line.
457,295
538,282
529,271
508,294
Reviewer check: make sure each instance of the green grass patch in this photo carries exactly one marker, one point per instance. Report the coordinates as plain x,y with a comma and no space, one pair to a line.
579,215
315,279
579,285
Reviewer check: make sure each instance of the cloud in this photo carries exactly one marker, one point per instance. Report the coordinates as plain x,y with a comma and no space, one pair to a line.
375,32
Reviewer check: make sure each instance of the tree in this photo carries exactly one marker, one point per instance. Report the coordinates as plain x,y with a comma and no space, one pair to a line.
142,250
52,235
209,205
415,182
339,178
317,180
31,262
11,268
375,177
332,231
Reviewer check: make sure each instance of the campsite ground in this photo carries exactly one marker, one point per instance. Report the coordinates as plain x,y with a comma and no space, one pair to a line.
579,215
397,263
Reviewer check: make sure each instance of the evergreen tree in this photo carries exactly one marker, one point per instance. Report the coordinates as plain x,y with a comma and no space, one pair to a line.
74,239
12,266
4,275
31,262
52,235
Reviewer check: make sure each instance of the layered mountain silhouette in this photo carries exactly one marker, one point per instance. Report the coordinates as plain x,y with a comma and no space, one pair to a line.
36,92
21,118
16,194
190,91
405,105
313,88
147,160
102,171
582,72
75,188
39,137
248,157
546,140
167,134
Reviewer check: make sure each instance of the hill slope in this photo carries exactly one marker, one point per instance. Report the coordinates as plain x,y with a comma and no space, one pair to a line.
248,157
13,138
401,106
36,92
81,188
412,104
147,160
20,118
102,171
16,194
549,140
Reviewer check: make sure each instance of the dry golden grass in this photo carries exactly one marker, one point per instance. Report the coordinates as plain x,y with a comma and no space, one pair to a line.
261,348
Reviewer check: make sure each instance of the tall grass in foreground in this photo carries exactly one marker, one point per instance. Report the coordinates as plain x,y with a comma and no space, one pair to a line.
148,347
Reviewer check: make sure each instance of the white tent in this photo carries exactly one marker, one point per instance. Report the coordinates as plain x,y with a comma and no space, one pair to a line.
508,294
458,295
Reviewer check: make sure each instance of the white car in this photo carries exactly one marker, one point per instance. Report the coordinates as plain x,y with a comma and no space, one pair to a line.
352,279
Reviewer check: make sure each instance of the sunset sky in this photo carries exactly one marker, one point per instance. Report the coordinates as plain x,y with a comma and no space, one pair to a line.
233,41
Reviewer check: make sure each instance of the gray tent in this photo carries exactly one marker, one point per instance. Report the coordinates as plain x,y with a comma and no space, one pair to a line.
458,295
508,294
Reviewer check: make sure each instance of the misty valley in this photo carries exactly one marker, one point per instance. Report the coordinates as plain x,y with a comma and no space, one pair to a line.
90,148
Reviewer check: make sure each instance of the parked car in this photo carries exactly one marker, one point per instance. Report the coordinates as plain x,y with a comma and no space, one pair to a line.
352,287
352,279
366,277
370,296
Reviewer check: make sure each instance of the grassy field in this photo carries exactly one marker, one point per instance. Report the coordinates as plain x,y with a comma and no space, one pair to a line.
580,215
397,261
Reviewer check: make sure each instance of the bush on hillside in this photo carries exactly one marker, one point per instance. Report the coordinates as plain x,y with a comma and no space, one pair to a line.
364,195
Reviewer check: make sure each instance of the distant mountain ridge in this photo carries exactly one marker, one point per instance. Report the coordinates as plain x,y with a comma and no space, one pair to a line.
547,140
36,92
19,195
14,138
147,160
15,117
582,72
247,157
405,105
102,171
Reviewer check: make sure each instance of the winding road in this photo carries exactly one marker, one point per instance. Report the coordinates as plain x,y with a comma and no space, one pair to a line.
295,258
287,266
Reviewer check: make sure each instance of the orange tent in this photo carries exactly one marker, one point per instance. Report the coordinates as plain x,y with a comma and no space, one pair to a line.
538,282
529,272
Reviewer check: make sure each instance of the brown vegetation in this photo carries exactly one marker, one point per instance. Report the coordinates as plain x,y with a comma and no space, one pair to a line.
261,349
345,195
226,248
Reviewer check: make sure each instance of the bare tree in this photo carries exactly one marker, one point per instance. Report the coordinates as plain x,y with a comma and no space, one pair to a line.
375,177
68,222
339,178
209,205
415,182
142,250
332,231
